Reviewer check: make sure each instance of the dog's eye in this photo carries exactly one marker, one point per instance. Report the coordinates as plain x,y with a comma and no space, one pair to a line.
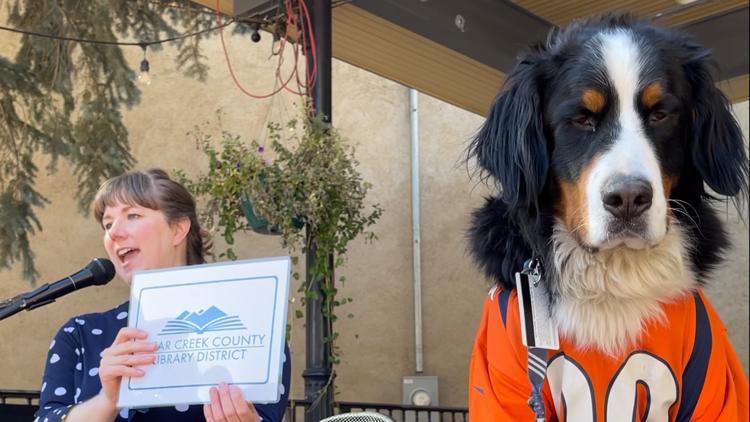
584,122
657,116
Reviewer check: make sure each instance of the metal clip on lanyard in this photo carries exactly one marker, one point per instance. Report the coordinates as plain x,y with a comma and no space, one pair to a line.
537,357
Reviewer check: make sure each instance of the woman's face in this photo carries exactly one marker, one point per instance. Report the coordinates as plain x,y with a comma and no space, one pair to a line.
139,238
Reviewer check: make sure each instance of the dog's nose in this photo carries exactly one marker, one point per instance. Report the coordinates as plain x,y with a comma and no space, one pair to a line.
627,198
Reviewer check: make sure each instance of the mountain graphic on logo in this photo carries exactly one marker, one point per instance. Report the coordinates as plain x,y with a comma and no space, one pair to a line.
212,319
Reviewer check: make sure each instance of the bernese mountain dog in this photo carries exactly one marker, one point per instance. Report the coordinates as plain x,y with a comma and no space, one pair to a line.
609,146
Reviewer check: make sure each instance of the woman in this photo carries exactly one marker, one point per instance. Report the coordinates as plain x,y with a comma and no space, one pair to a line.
149,222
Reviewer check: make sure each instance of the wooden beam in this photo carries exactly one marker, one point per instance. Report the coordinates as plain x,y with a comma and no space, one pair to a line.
379,46
230,7
736,89
225,6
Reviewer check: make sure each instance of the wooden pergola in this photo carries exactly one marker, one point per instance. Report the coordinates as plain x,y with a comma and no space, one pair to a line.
422,44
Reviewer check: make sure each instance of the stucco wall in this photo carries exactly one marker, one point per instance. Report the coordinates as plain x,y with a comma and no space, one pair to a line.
728,289
377,343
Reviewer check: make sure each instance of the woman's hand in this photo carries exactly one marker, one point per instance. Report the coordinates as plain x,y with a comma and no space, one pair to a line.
228,405
119,360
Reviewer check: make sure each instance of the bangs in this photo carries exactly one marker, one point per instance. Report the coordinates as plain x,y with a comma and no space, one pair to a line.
136,189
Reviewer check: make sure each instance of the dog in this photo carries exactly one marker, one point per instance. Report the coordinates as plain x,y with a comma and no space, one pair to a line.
608,146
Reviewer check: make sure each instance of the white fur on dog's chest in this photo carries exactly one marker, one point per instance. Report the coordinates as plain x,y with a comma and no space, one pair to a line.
604,299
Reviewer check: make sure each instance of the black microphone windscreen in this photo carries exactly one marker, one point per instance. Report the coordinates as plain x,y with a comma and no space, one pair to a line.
102,269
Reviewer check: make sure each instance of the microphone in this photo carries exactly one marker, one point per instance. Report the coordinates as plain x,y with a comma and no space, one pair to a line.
98,272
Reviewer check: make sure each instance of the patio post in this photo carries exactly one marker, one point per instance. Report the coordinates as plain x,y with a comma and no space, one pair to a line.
317,353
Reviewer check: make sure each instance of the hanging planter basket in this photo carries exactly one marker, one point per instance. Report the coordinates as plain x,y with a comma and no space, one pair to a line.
259,224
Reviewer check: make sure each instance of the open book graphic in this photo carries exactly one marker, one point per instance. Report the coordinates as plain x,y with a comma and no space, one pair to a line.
212,319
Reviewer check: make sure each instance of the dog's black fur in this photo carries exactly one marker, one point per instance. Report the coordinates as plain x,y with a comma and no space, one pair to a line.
526,150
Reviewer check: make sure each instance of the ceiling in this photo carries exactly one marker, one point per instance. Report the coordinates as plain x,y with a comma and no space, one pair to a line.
459,51
667,12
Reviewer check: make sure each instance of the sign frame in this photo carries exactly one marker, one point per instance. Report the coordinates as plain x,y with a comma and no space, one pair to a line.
218,322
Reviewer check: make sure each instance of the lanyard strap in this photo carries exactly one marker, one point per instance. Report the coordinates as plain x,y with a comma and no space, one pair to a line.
537,369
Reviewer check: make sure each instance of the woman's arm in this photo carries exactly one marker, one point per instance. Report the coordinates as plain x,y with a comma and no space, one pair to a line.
96,409
58,390
118,360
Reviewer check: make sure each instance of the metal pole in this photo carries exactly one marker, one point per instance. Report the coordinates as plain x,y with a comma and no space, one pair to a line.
320,14
318,389
416,240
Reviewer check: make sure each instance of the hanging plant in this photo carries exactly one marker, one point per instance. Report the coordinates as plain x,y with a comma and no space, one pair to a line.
306,190
307,179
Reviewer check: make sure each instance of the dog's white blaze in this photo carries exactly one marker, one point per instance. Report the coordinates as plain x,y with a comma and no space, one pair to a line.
631,153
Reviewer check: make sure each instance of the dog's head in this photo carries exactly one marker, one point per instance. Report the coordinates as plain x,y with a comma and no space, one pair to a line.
612,128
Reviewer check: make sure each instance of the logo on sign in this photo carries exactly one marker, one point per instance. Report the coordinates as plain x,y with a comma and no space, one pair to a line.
202,321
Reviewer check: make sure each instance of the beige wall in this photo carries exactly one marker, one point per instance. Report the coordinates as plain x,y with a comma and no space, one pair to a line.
729,287
377,343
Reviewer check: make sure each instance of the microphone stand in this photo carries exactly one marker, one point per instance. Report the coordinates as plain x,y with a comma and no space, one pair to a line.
24,301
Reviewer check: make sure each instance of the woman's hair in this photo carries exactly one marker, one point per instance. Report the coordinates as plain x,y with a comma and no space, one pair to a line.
154,189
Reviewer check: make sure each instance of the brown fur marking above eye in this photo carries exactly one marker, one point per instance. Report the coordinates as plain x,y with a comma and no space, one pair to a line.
593,100
652,94
573,205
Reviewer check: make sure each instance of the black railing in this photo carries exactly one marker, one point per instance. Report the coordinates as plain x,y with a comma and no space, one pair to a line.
19,396
19,405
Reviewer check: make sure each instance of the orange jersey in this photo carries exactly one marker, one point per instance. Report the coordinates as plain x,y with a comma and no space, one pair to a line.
681,370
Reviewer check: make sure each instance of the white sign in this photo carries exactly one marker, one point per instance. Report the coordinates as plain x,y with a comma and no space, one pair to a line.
214,323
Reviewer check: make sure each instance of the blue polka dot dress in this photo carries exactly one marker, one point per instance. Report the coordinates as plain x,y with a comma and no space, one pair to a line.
71,375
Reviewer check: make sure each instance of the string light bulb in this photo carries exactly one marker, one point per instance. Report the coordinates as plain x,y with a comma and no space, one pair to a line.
255,36
144,76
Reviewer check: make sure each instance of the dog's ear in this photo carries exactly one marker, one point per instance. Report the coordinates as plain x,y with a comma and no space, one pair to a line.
718,149
510,146
497,246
